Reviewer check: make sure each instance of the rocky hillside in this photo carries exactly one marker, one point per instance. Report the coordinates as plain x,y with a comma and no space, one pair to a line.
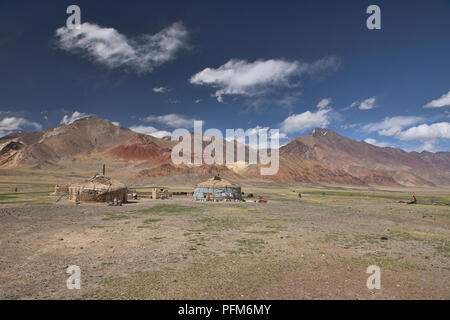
323,156
362,159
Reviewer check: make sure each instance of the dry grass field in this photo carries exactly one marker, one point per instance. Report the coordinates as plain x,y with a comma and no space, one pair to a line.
316,247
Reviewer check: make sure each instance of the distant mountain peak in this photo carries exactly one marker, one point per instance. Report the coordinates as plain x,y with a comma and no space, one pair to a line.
320,132
326,134
322,156
91,119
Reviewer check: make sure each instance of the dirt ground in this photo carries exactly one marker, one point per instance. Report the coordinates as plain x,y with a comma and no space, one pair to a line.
316,247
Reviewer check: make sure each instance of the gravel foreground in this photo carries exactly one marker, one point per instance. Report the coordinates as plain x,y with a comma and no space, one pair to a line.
317,247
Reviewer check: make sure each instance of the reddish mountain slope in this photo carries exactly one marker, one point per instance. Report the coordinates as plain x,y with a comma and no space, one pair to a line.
357,157
82,137
322,156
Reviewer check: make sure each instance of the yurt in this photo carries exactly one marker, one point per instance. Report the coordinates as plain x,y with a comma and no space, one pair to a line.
218,189
100,189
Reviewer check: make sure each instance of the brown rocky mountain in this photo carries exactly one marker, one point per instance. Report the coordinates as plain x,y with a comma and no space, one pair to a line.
82,137
322,156
361,159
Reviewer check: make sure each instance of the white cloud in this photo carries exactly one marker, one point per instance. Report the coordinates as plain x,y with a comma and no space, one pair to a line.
266,130
443,101
391,126
152,131
258,130
376,143
109,47
306,120
287,100
239,77
76,115
324,103
350,126
144,129
171,120
428,146
161,134
279,135
366,104
262,144
429,135
390,132
160,89
426,132
10,124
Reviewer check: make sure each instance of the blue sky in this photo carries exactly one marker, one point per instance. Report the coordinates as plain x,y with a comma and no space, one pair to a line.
157,65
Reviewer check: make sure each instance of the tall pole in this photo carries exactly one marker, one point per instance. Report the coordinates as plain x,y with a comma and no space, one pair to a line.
103,169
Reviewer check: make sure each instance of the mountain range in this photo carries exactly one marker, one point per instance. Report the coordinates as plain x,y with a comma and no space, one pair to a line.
321,157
